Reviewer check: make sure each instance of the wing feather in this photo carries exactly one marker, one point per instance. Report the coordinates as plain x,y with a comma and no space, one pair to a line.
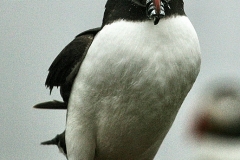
69,58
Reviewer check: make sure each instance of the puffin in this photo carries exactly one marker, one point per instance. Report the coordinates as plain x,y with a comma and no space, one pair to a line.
216,127
124,82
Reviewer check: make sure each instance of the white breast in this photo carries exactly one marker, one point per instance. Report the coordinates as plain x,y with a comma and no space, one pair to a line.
129,88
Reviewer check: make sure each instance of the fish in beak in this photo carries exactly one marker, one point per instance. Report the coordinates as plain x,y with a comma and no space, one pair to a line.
157,5
155,10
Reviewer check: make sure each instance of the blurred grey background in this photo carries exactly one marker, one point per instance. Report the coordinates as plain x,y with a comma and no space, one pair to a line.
32,33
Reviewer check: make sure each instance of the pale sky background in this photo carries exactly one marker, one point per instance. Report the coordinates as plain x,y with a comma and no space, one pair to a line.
32,33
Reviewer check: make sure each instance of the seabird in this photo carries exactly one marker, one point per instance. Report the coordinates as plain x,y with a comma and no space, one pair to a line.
123,83
217,124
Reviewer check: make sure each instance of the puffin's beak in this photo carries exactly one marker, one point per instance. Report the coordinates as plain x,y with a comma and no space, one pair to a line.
154,10
157,4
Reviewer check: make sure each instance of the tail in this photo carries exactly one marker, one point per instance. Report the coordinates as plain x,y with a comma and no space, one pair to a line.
53,141
51,105
59,140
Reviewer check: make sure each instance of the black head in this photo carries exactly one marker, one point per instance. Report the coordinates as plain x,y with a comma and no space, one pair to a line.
141,10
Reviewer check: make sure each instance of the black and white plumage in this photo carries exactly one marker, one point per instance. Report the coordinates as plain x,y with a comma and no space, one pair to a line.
124,83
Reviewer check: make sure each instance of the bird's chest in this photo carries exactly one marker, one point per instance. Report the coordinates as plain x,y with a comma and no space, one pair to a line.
141,61
133,80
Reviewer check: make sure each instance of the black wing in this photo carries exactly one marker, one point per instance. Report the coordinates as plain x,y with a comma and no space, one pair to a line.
69,58
65,66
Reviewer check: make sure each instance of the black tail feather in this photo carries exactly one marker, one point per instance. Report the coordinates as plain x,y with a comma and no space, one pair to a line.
51,105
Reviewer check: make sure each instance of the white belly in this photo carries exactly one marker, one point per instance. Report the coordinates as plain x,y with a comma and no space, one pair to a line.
130,87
